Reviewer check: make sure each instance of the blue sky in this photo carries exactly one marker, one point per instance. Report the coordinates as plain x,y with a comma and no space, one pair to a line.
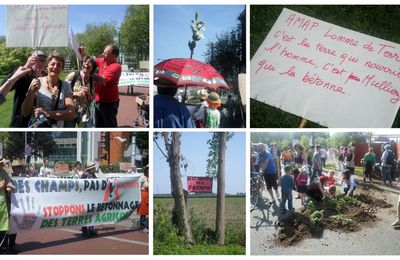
195,148
172,30
81,15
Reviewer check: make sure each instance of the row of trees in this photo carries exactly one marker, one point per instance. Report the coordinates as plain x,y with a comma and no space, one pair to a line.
42,144
215,168
132,37
306,139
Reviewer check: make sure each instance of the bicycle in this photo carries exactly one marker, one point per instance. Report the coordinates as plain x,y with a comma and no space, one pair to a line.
142,106
256,187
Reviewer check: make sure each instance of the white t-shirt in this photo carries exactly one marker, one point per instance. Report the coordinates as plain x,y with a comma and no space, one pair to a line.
45,101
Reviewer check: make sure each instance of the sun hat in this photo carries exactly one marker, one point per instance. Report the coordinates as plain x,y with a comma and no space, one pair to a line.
214,100
90,165
202,94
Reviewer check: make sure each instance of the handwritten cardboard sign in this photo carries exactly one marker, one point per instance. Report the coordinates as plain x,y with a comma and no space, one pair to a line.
125,166
199,184
61,167
37,26
328,74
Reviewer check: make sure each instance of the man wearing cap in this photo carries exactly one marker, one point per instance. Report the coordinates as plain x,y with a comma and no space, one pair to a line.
168,112
33,68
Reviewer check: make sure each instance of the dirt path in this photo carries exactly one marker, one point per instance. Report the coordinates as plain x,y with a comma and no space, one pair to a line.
377,239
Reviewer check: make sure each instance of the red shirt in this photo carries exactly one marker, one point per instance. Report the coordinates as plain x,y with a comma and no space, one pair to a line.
107,92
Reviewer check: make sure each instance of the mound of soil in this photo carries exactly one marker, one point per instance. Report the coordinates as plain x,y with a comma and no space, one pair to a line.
372,201
298,226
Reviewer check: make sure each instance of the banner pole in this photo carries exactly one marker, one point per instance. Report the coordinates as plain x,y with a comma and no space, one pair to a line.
303,123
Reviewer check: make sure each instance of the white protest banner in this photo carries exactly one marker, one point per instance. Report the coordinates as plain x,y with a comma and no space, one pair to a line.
328,74
134,79
37,26
46,203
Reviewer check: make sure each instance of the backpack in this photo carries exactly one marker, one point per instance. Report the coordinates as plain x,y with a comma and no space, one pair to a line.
390,158
302,179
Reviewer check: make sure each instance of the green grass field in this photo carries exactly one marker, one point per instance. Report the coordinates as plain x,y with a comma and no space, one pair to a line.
203,217
380,21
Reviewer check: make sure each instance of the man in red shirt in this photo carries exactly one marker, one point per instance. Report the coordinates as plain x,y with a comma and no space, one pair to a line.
106,88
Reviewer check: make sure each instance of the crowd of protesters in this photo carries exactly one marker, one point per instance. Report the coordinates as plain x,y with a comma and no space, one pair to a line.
170,111
304,170
86,98
18,168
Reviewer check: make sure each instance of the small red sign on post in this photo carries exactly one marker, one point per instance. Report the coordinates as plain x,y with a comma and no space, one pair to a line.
199,184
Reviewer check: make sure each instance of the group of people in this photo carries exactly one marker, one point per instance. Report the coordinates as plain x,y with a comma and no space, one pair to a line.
300,174
86,98
18,169
169,112
388,163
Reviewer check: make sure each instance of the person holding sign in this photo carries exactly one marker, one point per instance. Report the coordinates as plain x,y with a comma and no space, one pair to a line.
9,83
83,92
106,88
19,81
6,187
49,99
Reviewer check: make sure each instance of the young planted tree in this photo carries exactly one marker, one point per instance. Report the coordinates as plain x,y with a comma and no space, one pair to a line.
198,27
216,168
180,212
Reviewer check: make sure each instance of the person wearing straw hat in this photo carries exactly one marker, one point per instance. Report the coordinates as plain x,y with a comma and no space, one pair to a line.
168,112
36,64
200,114
213,116
89,173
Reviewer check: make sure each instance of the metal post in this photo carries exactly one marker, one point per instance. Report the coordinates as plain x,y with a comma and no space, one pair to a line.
78,146
133,144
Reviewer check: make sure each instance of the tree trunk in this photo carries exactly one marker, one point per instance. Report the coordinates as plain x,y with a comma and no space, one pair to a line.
220,219
180,216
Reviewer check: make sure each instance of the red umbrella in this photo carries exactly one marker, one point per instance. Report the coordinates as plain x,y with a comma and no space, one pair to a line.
183,72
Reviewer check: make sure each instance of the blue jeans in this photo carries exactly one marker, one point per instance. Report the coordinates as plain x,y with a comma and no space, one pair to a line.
393,172
347,188
386,173
143,222
286,197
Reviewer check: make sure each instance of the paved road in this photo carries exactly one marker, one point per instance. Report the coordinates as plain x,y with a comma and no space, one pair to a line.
111,239
380,239
127,111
